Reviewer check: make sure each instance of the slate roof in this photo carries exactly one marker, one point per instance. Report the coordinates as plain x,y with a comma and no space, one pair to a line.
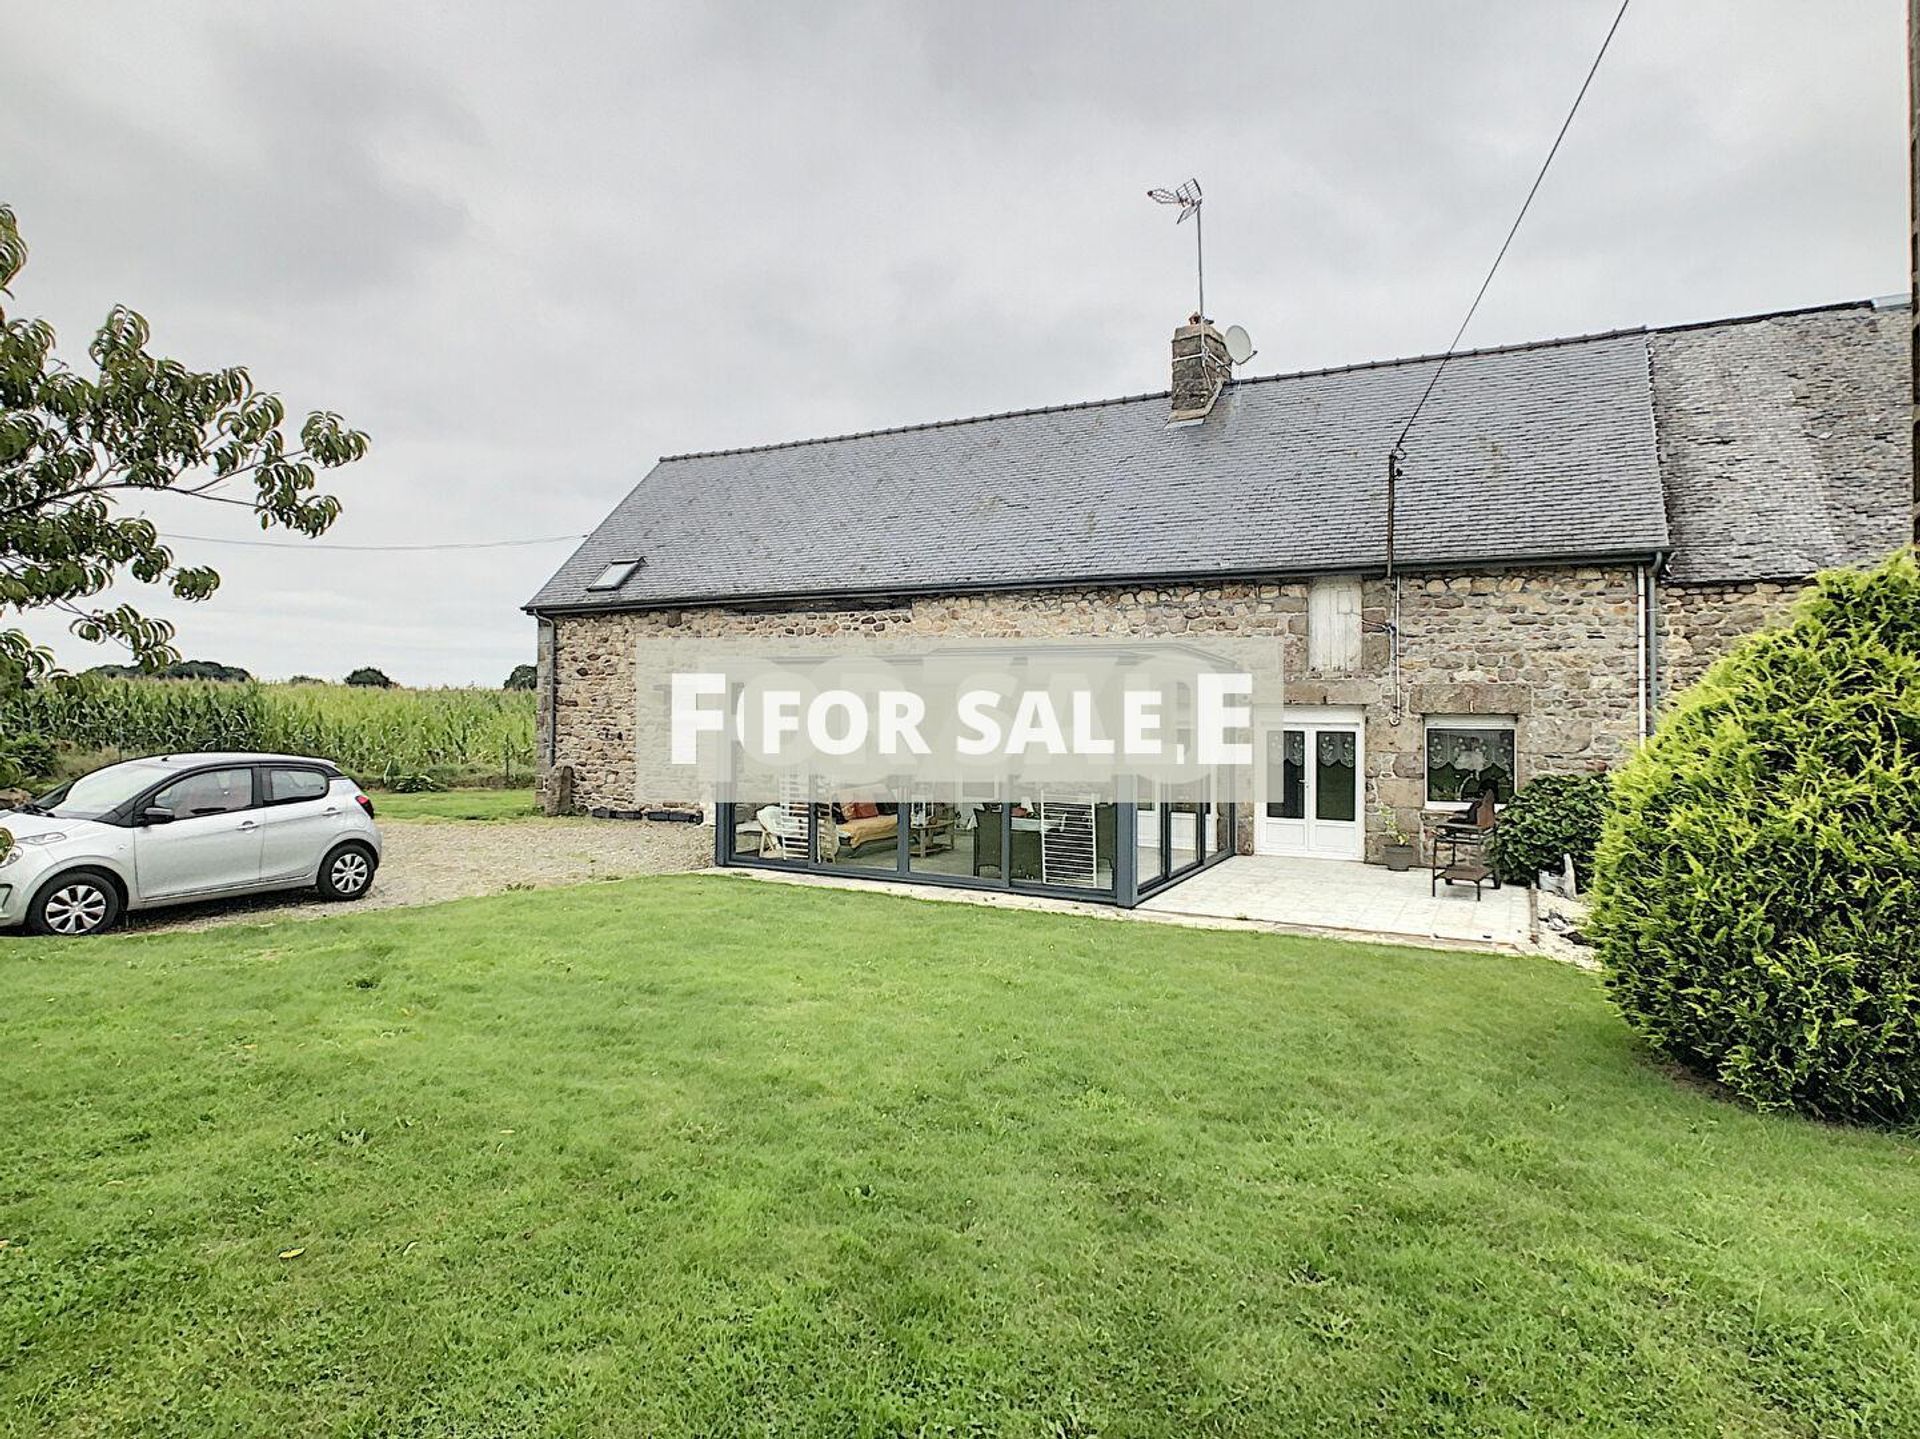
1785,442
1542,452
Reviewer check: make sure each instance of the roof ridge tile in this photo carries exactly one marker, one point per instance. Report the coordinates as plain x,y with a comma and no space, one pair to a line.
1314,372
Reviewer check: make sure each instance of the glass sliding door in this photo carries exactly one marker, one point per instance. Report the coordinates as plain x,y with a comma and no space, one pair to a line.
1225,841
986,836
773,828
1186,815
1060,839
859,825
1150,836
953,833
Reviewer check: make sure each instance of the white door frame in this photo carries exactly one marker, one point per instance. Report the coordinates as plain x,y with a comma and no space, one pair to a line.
1309,836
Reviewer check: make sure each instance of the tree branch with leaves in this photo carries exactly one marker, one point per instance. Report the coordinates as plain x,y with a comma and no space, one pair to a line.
74,447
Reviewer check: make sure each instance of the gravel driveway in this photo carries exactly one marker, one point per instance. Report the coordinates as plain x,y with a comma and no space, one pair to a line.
430,860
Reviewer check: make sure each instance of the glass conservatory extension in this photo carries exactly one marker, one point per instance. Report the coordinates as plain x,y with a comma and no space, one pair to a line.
1011,836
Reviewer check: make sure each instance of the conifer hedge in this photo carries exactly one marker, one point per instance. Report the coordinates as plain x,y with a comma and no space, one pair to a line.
1757,894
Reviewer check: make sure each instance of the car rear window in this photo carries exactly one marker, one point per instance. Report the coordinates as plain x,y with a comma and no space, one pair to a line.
286,786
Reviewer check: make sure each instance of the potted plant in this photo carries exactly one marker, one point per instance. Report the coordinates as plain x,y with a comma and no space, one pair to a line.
1398,851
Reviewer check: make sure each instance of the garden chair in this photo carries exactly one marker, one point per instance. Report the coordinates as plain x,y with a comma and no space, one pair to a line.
1458,847
783,834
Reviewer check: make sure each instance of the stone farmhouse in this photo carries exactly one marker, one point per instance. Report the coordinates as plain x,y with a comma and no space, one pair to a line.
1580,526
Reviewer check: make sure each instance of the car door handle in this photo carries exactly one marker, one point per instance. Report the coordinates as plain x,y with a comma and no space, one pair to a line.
246,824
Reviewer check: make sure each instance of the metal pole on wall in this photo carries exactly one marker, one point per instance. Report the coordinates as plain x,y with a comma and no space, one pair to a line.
1393,496
1393,585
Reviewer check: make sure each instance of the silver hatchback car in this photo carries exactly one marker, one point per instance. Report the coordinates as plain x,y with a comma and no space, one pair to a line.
177,828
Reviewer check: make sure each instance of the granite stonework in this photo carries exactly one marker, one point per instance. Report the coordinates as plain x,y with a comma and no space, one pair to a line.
1557,649
1699,623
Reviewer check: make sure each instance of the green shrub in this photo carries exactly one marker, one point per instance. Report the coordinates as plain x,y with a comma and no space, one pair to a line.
1551,817
1758,881
25,757
404,781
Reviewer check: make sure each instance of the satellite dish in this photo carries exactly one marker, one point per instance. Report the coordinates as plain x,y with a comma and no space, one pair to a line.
1239,344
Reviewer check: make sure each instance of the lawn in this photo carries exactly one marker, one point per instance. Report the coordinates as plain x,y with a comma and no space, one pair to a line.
711,1156
470,804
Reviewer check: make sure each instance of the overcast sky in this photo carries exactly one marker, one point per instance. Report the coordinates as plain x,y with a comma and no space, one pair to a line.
530,248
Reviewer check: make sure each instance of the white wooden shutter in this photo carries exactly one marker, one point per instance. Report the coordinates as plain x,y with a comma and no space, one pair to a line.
1333,625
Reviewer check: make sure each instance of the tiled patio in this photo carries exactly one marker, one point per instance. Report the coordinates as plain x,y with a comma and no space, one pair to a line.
1336,897
1342,895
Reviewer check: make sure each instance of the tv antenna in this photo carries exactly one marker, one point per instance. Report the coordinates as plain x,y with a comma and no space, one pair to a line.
1188,198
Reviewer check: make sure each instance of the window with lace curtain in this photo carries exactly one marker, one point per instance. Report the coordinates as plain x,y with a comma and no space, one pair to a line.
1466,755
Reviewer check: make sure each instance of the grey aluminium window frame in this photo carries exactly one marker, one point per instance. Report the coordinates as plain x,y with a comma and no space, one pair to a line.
1125,892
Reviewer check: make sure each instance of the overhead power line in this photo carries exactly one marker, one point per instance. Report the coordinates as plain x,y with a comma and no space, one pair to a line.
1526,204
370,549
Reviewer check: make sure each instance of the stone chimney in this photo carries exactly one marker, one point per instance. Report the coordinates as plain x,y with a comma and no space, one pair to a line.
1200,369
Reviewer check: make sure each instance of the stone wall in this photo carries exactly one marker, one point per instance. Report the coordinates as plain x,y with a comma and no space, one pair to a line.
1555,648
1699,623
596,653
1558,650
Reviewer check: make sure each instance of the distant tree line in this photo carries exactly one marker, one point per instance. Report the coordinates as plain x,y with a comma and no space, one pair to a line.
523,677
178,670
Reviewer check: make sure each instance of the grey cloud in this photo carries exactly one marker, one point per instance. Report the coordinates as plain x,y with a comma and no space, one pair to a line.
530,248
290,178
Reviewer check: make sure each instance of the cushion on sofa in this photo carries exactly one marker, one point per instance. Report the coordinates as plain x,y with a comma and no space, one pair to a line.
855,832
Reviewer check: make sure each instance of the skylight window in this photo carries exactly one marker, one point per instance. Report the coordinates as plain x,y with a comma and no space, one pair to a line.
615,575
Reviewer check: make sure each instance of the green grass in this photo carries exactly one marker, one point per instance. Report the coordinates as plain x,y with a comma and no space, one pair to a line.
709,1156
472,804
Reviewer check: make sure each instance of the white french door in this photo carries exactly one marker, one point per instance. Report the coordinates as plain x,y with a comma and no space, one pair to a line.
1311,784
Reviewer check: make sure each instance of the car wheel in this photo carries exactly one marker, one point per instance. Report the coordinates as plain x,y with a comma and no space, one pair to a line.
347,872
81,901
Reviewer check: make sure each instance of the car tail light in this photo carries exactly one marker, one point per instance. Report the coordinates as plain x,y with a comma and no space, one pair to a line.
364,803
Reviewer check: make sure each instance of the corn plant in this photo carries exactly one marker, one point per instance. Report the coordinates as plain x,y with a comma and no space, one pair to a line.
450,734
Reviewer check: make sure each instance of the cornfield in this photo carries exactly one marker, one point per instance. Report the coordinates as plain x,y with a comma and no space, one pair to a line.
380,736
